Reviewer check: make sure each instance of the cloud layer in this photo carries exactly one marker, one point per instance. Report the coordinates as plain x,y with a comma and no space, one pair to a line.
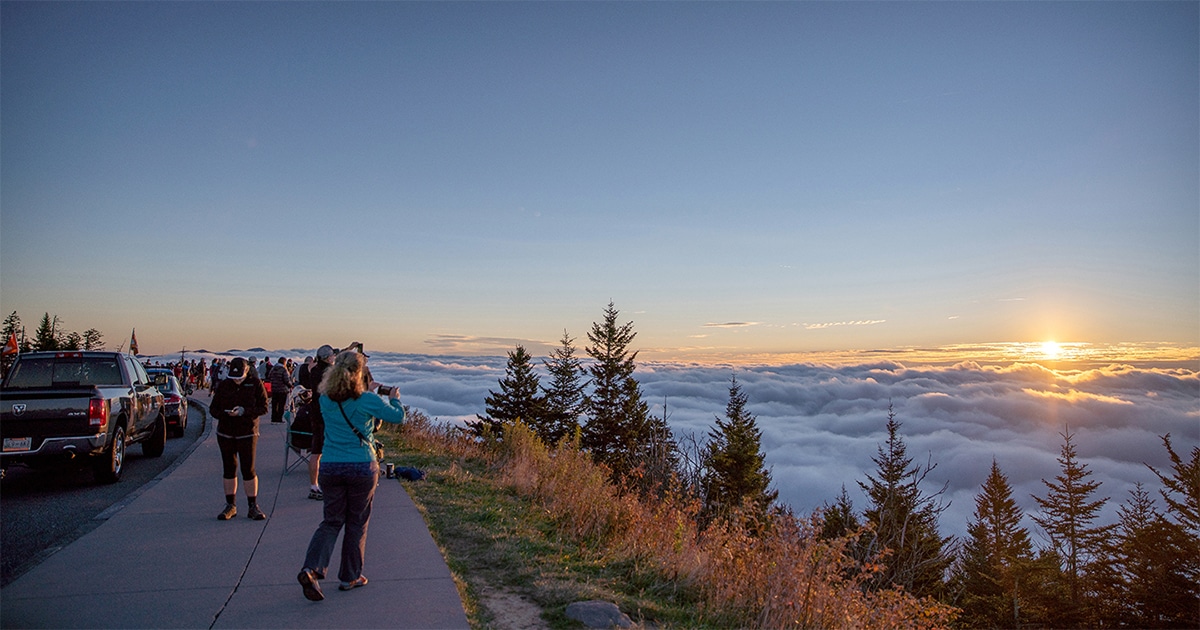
823,424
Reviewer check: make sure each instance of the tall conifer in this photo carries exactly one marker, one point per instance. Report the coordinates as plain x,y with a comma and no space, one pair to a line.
1067,514
904,521
619,428
736,476
518,397
563,400
995,557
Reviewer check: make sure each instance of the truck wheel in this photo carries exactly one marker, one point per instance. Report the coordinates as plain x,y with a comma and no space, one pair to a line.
153,446
110,465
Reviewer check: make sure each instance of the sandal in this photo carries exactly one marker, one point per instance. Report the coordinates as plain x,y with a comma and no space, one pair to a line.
312,590
360,581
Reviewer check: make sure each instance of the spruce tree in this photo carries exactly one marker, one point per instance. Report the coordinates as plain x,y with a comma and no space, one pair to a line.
45,338
1067,513
1181,489
71,341
619,429
994,559
839,519
904,521
93,339
563,400
12,327
1153,583
735,475
518,398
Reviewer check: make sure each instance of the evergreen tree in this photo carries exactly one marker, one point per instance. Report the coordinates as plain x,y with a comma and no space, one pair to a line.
12,326
93,339
839,519
1181,489
564,398
736,477
994,558
517,399
904,521
1067,514
1153,579
71,341
45,338
619,429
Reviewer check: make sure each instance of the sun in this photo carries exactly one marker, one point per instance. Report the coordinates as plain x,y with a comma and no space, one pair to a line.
1051,349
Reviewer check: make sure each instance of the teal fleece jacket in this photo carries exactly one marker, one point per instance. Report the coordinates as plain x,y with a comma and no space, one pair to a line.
341,445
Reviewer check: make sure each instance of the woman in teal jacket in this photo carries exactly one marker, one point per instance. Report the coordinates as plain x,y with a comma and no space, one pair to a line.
349,470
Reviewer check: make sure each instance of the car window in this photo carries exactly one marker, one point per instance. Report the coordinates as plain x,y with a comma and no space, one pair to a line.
65,371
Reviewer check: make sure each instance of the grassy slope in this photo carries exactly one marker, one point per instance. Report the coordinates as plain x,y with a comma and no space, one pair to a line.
494,539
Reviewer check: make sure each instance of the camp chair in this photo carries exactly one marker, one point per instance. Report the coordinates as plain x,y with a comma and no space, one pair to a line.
298,438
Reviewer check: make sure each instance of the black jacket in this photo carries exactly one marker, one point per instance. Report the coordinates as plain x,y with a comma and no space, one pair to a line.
250,395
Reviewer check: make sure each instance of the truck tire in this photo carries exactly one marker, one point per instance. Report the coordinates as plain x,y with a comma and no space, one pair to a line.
109,466
153,446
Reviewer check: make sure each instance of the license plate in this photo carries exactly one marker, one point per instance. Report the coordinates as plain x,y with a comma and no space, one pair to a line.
17,444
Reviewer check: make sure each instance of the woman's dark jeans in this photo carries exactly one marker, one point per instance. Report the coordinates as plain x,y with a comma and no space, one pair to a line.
349,490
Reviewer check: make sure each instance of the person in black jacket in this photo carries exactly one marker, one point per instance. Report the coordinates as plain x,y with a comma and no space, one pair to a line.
312,380
238,402
281,385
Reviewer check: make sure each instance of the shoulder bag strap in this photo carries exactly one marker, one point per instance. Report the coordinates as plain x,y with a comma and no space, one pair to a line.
353,428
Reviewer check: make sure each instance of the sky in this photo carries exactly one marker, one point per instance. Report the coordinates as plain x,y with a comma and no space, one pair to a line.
741,180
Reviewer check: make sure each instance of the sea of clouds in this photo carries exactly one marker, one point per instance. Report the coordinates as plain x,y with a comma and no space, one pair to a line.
822,424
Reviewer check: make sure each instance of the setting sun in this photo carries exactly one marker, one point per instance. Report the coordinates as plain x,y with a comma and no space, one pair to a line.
1051,349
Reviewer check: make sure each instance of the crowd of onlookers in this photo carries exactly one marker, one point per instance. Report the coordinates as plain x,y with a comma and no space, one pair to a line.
196,374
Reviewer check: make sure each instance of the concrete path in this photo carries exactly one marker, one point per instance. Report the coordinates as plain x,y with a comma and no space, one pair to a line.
163,560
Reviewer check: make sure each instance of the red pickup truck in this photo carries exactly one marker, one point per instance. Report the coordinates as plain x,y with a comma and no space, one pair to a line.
58,406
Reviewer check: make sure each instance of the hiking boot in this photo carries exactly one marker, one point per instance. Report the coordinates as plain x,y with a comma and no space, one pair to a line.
360,581
308,581
316,494
229,512
255,514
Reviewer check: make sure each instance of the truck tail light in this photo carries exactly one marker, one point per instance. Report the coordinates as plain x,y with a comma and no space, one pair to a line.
172,399
98,412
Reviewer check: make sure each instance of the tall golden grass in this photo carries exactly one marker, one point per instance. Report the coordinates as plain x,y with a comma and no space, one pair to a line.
780,575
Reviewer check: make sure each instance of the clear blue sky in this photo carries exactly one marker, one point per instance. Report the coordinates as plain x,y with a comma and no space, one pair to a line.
736,177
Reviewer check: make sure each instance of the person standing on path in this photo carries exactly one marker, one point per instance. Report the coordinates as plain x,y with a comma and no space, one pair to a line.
349,471
281,386
238,402
312,381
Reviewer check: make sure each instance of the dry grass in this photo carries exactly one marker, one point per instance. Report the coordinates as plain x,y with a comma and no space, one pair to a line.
784,575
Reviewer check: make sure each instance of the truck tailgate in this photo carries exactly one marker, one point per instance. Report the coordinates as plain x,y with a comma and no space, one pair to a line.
27,419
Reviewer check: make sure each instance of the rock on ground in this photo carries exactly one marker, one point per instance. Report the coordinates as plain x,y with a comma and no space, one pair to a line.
597,614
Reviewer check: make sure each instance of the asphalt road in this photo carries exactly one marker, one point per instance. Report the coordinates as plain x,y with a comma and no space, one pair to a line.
43,510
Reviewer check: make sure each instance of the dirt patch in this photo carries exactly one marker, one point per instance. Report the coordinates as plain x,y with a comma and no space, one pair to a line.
510,611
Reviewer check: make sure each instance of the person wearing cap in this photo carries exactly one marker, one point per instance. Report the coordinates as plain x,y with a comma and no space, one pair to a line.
349,471
238,402
311,380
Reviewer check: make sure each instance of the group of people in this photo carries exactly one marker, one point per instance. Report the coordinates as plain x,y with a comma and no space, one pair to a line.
191,374
343,469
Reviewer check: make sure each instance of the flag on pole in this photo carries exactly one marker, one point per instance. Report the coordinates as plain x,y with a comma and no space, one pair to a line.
133,349
10,346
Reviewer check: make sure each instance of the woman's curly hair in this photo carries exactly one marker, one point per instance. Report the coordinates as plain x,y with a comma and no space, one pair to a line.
344,379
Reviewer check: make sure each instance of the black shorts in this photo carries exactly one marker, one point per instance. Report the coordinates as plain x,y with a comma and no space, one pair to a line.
318,436
235,451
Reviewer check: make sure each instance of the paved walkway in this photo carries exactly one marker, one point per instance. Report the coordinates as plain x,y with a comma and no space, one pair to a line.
163,560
